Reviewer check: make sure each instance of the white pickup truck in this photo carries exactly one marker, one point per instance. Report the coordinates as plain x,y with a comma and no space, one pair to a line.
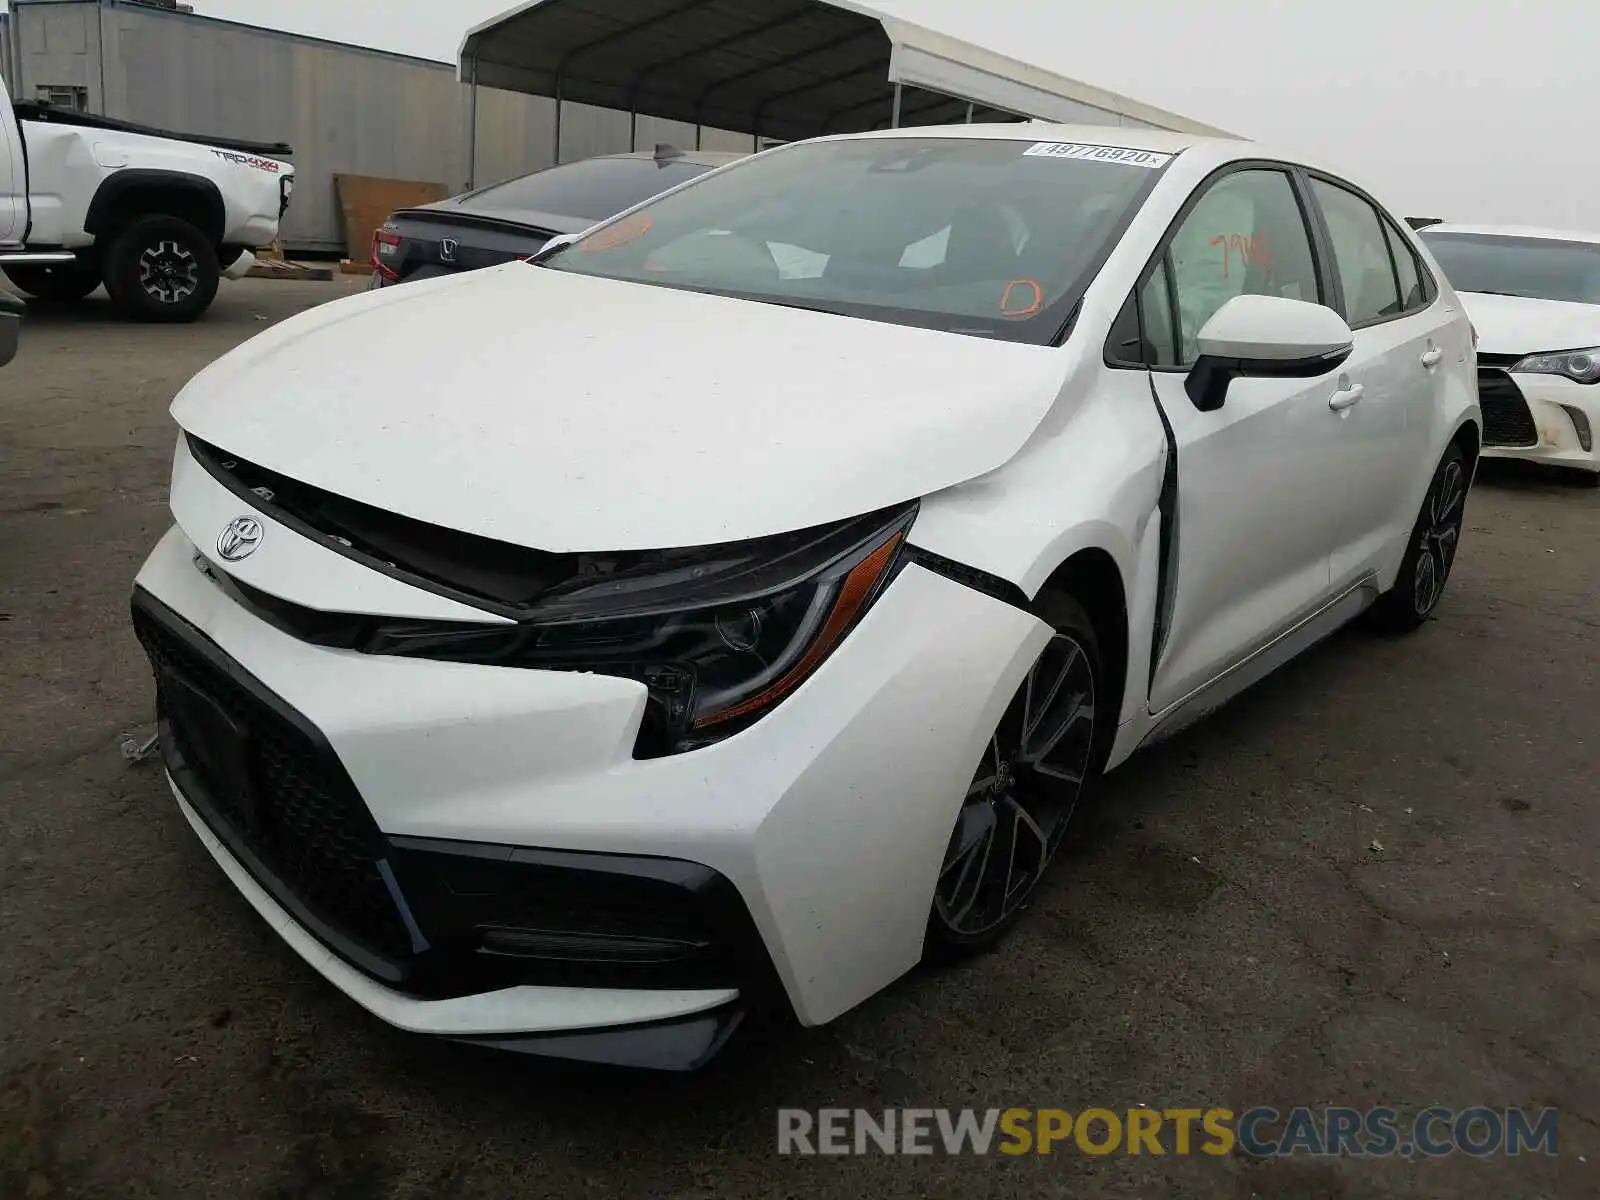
158,217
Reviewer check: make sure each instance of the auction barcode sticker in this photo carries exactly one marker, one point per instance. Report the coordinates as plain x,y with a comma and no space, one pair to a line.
1116,154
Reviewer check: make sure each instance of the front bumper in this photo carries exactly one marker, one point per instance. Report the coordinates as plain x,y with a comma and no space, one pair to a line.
811,840
1540,418
661,1030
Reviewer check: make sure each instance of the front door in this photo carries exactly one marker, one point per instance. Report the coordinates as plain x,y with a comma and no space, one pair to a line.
1260,486
13,175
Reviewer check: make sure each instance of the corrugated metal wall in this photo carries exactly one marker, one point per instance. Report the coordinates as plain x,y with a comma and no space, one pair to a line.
344,109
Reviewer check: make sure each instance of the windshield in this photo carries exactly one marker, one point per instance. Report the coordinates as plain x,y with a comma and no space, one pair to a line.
980,236
593,189
1542,268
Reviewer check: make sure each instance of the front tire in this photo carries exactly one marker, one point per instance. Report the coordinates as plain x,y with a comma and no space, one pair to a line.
61,283
1431,551
1023,793
162,269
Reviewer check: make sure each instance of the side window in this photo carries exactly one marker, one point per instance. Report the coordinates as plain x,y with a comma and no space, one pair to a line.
1407,269
1155,307
1142,334
1360,254
1245,236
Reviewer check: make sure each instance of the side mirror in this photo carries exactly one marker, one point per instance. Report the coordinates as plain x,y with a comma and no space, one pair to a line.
11,310
1265,337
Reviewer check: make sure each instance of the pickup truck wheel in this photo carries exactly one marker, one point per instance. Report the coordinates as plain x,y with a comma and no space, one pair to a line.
63,283
161,268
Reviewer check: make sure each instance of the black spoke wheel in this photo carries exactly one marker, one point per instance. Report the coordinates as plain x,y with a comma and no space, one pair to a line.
162,268
1023,793
1431,552
169,273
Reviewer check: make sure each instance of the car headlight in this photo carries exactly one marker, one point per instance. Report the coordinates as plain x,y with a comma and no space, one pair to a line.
1583,366
718,635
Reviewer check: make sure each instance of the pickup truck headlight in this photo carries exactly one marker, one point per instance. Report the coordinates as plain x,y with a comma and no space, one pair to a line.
718,635
285,192
1582,366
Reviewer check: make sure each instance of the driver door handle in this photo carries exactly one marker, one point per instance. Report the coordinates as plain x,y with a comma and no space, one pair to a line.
1433,358
1348,398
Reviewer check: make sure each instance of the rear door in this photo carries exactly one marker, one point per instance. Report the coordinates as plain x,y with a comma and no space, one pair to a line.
13,174
1258,486
1402,339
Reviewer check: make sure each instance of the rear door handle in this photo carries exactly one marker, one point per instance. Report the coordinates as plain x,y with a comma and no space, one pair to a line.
1433,358
1348,398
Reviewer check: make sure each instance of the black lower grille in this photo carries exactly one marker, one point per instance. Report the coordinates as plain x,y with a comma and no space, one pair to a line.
276,794
1506,419
432,919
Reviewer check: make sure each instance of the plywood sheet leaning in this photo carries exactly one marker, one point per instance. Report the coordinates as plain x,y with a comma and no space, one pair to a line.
366,202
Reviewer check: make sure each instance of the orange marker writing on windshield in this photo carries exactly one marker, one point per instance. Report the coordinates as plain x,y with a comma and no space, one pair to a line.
1009,301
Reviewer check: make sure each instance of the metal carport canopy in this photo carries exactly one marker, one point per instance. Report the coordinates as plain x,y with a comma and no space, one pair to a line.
779,69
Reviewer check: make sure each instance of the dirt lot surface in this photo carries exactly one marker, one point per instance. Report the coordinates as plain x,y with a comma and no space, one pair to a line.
1372,880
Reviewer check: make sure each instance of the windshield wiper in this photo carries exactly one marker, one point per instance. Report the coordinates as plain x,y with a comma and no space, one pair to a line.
833,312
1492,292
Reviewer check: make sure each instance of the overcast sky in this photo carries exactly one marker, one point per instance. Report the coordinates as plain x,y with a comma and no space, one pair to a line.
1475,111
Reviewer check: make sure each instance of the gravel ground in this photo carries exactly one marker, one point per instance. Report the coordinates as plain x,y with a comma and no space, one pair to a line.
1226,933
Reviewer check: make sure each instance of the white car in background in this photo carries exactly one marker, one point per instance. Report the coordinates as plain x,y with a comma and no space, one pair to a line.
1534,296
725,609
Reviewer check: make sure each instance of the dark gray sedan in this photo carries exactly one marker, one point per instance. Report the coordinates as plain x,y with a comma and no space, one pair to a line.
512,220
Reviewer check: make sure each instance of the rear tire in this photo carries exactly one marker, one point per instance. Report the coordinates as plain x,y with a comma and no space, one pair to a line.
1430,553
60,284
1026,787
162,269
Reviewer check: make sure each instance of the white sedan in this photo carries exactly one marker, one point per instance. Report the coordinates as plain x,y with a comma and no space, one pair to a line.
1534,295
726,611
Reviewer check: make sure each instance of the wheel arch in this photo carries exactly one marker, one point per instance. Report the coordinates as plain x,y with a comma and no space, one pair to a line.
140,193
1470,439
1092,576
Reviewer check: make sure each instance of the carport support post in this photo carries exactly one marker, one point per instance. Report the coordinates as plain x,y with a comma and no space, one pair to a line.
557,152
969,112
472,128
633,130
894,122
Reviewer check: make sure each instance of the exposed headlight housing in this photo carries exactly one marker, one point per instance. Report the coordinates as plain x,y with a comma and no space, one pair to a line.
1581,366
718,635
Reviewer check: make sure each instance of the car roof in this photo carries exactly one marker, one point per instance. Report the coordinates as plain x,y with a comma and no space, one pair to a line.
1161,141
1516,231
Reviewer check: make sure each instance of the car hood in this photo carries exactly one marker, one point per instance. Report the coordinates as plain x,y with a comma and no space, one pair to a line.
1522,325
568,413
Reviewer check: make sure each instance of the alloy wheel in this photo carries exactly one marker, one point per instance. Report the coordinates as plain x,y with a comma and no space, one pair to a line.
1022,795
1441,534
169,272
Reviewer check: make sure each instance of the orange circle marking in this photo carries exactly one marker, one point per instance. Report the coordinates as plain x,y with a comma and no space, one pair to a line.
618,236
1037,302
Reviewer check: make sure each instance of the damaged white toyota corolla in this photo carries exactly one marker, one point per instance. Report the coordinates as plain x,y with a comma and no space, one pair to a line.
725,612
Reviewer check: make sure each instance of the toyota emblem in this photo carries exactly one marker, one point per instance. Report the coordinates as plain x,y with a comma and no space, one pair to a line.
239,538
